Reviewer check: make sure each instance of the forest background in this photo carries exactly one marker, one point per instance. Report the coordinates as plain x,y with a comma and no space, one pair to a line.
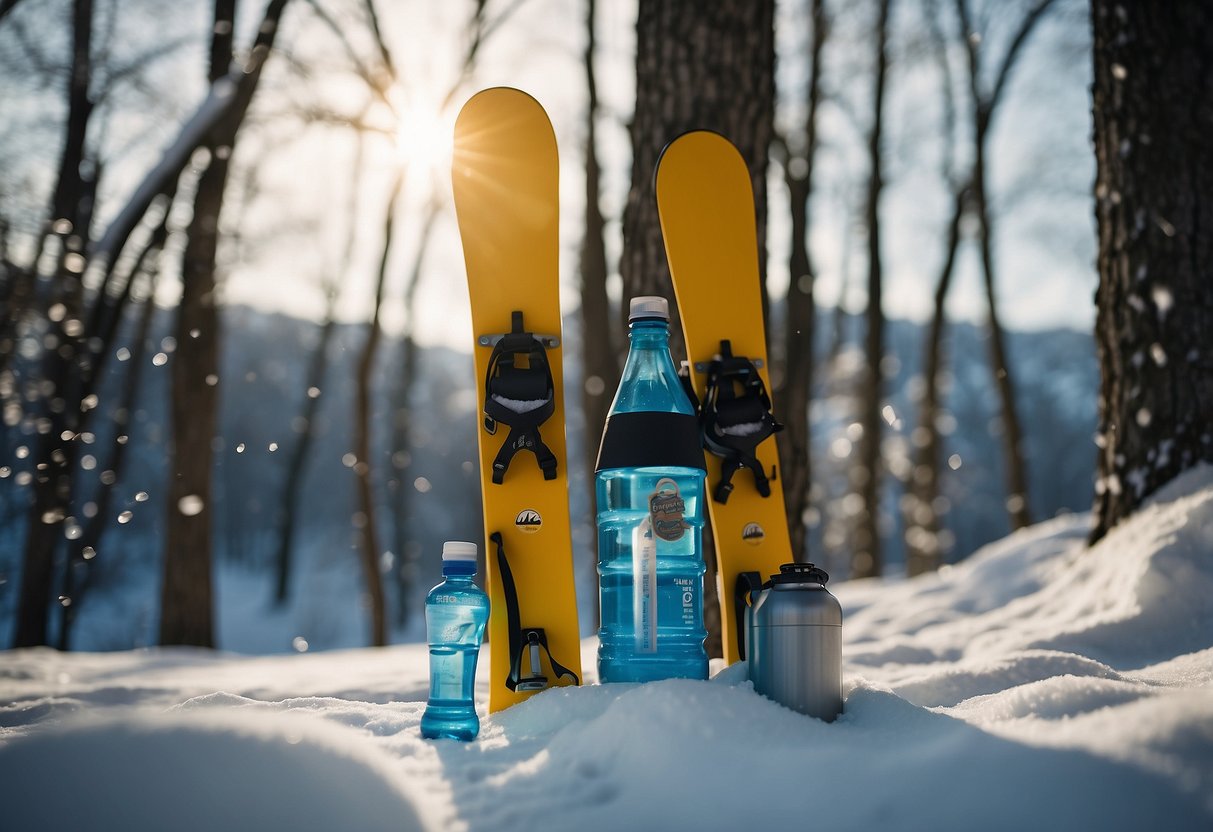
237,394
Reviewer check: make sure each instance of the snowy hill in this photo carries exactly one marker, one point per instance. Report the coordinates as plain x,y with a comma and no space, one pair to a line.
1036,685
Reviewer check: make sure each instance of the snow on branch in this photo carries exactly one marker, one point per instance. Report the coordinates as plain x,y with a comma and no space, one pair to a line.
226,98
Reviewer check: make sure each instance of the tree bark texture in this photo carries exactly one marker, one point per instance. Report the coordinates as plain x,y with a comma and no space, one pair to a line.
1153,112
867,560
698,66
793,399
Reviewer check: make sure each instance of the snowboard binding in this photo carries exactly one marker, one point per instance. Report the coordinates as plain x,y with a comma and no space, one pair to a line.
525,642
734,418
519,397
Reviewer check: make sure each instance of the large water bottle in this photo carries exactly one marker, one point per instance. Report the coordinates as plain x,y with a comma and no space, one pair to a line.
649,491
455,614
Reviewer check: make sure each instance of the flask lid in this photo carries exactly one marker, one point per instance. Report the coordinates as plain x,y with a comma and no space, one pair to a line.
458,550
799,573
649,306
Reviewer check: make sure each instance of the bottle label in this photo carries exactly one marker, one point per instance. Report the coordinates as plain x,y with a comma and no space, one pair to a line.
666,510
644,587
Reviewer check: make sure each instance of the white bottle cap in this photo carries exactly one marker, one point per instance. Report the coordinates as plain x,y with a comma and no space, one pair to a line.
458,550
649,306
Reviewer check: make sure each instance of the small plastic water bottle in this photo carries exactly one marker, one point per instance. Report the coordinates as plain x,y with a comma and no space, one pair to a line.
456,612
649,492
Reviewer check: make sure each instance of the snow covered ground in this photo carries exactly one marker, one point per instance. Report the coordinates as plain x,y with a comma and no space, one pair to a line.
1037,685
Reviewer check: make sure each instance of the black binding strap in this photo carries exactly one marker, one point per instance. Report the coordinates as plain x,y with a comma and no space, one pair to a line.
734,396
524,640
745,592
505,379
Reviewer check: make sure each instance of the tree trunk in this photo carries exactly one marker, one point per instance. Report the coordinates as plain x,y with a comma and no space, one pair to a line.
923,552
317,369
55,449
1012,433
186,606
599,339
371,550
726,50
794,398
867,560
292,488
402,419
1153,195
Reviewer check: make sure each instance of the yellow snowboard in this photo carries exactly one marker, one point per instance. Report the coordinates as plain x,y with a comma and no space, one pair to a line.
505,182
706,205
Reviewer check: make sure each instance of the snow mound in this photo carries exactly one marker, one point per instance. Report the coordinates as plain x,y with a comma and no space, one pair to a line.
1040,684
169,772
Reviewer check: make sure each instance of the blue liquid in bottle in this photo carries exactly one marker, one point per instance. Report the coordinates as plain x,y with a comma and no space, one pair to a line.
650,517
456,612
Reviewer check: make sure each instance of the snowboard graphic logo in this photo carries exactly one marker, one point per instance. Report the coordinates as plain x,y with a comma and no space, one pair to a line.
528,521
753,534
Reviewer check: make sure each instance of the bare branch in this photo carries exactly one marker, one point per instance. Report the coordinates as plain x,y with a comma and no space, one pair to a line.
377,85
1013,51
224,99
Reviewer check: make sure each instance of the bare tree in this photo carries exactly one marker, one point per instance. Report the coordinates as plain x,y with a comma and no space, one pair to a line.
923,550
369,535
1153,195
55,453
402,417
317,368
797,385
599,350
984,102
970,197
868,560
728,47
186,615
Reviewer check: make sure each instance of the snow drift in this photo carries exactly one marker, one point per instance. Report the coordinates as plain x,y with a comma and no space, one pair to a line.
1038,684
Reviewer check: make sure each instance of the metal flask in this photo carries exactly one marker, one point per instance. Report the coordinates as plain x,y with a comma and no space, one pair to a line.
792,638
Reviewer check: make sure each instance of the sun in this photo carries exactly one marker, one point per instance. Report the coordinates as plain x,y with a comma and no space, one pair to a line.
423,140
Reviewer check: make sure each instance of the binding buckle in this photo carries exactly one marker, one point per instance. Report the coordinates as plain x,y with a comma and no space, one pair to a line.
525,643
520,397
735,418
